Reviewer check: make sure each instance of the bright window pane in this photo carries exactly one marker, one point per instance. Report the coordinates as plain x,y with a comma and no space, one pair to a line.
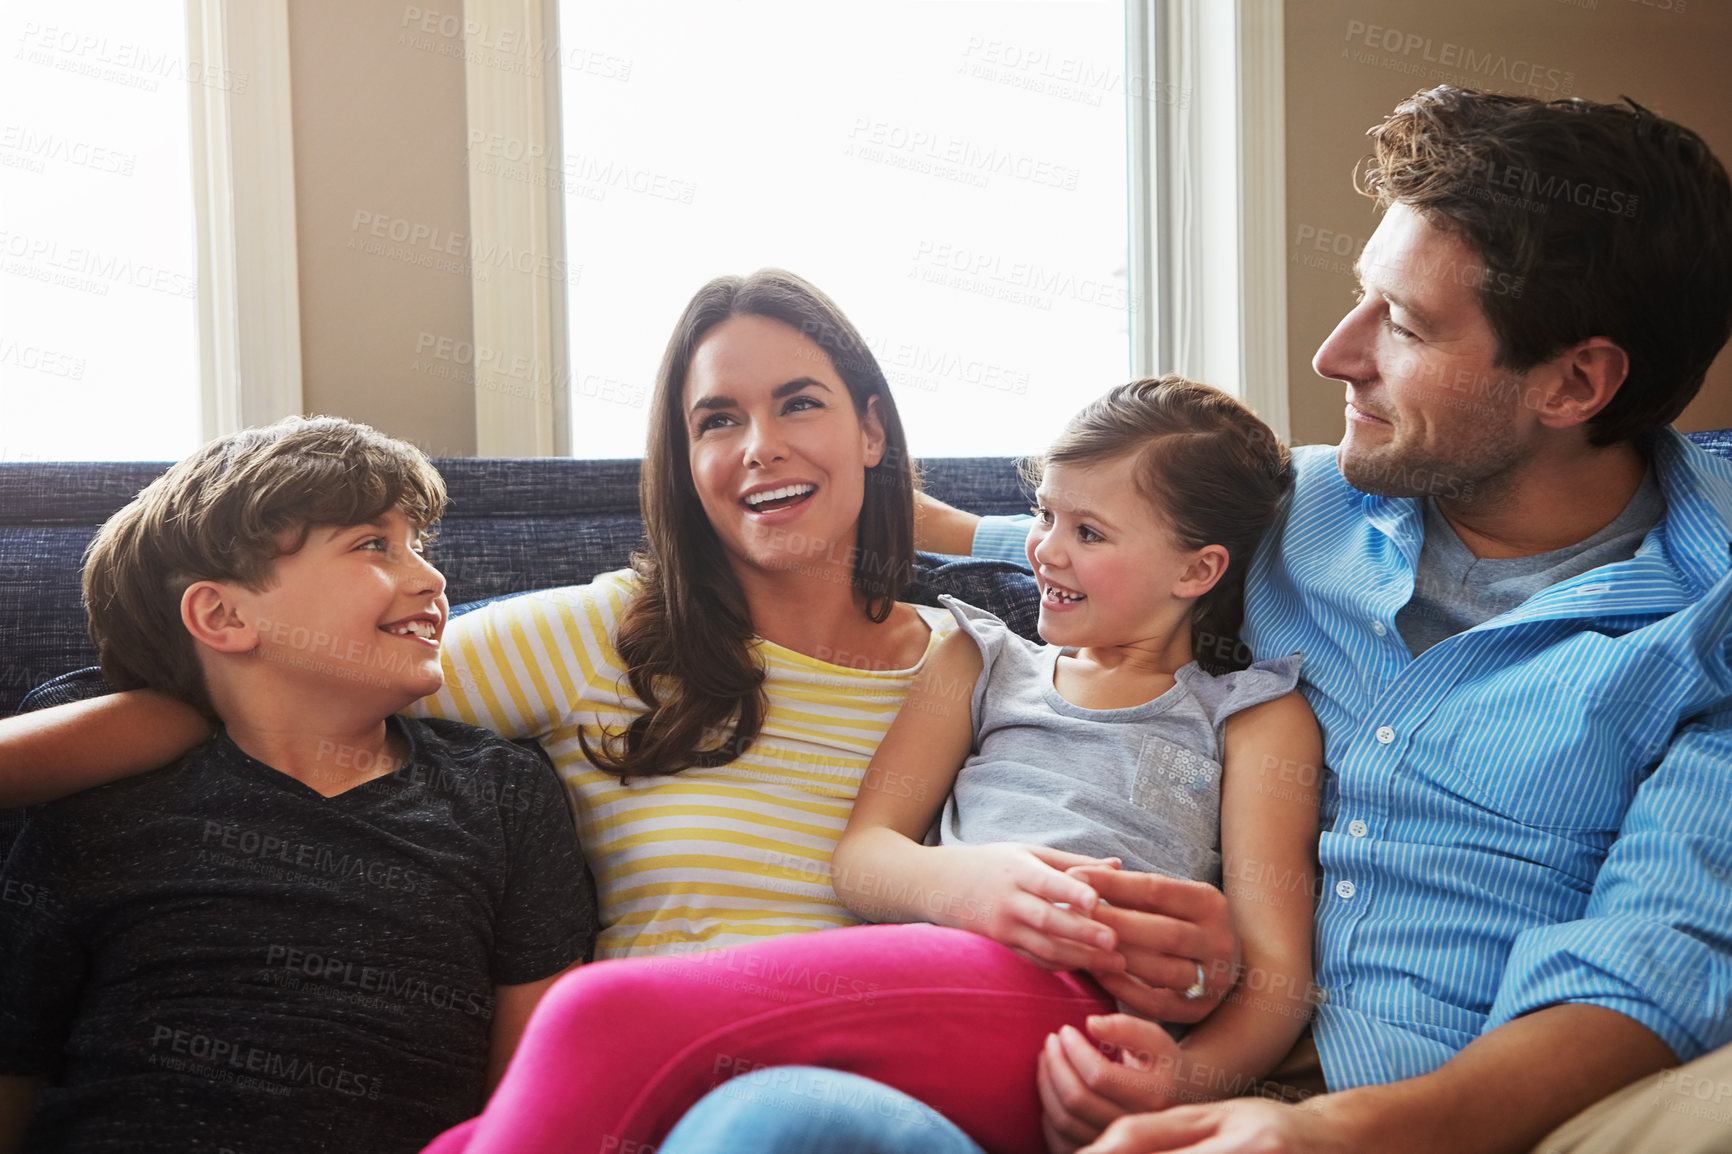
98,288
953,174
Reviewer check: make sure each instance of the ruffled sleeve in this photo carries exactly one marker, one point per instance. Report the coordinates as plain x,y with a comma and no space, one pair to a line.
1224,695
998,642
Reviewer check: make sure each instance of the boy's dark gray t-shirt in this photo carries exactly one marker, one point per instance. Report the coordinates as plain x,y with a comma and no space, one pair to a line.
215,957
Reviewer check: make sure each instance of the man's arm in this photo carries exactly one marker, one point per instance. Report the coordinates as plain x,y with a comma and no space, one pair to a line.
1508,1088
1503,1093
1655,939
941,528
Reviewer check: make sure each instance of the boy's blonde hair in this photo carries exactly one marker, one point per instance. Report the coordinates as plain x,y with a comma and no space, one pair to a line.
226,513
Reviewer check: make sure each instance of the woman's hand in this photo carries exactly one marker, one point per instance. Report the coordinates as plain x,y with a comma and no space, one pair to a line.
1021,897
60,750
1166,928
1084,1085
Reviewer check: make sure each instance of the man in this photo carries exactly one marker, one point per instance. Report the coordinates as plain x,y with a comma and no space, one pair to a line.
1512,586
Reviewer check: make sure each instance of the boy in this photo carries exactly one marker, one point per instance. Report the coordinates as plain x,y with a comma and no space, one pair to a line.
324,928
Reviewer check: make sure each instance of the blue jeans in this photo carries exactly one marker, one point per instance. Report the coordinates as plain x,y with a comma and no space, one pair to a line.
801,1109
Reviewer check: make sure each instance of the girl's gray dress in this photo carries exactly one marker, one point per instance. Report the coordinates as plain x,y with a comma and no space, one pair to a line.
1142,784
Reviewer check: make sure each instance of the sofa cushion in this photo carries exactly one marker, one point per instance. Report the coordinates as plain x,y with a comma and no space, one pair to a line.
1009,592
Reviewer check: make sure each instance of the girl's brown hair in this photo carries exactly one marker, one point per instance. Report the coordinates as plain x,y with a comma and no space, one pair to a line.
1214,473
686,640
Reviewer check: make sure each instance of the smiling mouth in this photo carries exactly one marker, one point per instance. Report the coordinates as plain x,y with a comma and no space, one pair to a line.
783,498
1366,414
1059,596
425,630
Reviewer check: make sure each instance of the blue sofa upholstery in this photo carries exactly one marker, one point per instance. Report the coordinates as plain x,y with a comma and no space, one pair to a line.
512,526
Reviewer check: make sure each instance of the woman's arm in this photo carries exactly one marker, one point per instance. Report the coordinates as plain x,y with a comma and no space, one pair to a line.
58,751
1269,806
1007,892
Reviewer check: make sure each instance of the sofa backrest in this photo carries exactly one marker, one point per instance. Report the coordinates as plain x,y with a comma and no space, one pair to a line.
512,525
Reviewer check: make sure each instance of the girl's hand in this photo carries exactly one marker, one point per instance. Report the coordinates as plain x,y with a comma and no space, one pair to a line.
1021,897
1128,1068
1166,928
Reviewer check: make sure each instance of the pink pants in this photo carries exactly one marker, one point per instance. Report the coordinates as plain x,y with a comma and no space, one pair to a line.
619,1050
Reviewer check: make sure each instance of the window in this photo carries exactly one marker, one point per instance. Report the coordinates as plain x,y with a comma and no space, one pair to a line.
953,175
99,355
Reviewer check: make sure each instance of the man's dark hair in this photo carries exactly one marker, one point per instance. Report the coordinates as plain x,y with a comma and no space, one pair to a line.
1593,220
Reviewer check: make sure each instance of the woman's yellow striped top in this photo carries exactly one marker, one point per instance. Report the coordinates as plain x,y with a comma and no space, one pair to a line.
706,857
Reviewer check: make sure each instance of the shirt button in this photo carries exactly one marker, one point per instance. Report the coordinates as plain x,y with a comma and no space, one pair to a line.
1385,735
1358,828
1344,889
1378,628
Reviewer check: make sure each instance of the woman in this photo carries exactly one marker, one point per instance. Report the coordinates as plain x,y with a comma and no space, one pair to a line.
714,708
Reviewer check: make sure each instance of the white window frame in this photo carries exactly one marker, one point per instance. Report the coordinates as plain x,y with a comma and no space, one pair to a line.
243,161
1207,173
1208,196
522,313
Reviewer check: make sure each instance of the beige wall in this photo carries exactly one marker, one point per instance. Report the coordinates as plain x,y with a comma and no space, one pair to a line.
380,144
1669,60
379,125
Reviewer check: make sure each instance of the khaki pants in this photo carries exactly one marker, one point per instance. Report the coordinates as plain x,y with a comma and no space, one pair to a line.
1685,1110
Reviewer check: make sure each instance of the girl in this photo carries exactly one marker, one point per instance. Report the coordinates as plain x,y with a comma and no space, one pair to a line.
1112,744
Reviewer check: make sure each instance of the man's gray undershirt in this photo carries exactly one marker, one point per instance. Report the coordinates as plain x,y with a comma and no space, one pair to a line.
1453,590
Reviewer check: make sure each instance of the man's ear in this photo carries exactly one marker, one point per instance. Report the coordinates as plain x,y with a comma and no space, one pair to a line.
873,429
1588,378
211,613
1208,565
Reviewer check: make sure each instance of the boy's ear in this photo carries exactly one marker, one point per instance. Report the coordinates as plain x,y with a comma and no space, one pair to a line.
210,612
1207,566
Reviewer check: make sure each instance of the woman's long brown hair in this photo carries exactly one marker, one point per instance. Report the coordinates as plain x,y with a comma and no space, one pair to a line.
686,640
1214,473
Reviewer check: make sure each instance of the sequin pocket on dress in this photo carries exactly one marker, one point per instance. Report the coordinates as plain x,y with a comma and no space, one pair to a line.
1170,774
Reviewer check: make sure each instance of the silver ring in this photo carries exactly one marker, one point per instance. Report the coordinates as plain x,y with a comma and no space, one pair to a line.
1196,989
